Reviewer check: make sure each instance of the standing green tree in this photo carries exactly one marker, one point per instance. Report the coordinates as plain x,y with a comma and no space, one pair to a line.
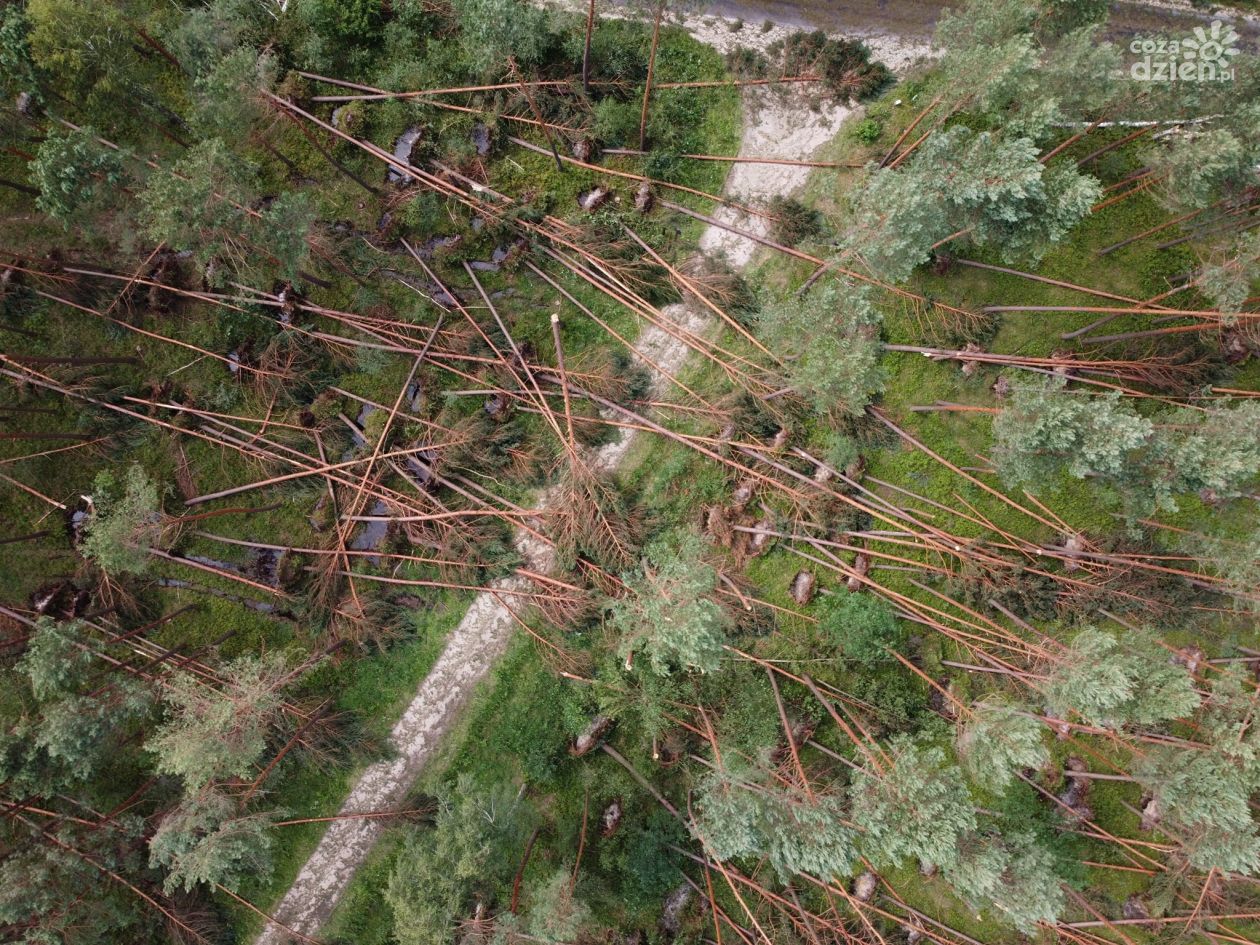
862,625
208,839
73,718
1046,428
1203,800
338,37
997,741
199,204
77,176
1227,278
555,915
18,72
206,33
994,189
1203,796
69,725
436,871
1012,874
92,58
491,31
744,812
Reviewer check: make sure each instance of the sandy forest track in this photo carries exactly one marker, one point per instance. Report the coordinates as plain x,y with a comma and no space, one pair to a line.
776,124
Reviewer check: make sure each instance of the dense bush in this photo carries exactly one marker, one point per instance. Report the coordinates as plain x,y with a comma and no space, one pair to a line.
862,625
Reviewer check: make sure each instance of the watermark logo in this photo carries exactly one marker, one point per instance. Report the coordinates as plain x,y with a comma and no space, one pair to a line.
1203,56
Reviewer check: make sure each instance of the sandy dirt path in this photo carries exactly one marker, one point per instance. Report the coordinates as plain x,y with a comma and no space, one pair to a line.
776,125
915,20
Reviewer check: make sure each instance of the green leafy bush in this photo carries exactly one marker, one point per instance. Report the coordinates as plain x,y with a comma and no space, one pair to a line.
866,131
862,626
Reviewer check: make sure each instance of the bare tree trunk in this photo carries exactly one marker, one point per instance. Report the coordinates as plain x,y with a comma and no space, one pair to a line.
21,188
586,49
647,89
159,48
328,156
71,361
45,436
31,537
520,871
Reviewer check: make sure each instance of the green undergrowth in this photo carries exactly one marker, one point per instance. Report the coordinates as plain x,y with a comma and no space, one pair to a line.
372,691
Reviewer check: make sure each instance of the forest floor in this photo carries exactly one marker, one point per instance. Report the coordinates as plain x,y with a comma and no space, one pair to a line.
777,125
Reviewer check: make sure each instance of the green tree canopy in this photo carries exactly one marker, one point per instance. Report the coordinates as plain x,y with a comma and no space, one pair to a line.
1200,166
1046,428
1027,64
669,613
91,59
918,807
66,731
18,72
492,30
1012,874
1218,450
1204,800
1228,277
742,812
998,740
1110,684
990,187
207,32
199,205
206,839
77,176
125,523
216,732
1204,795
50,895
1237,561
227,100
862,625
832,339
555,915
437,870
